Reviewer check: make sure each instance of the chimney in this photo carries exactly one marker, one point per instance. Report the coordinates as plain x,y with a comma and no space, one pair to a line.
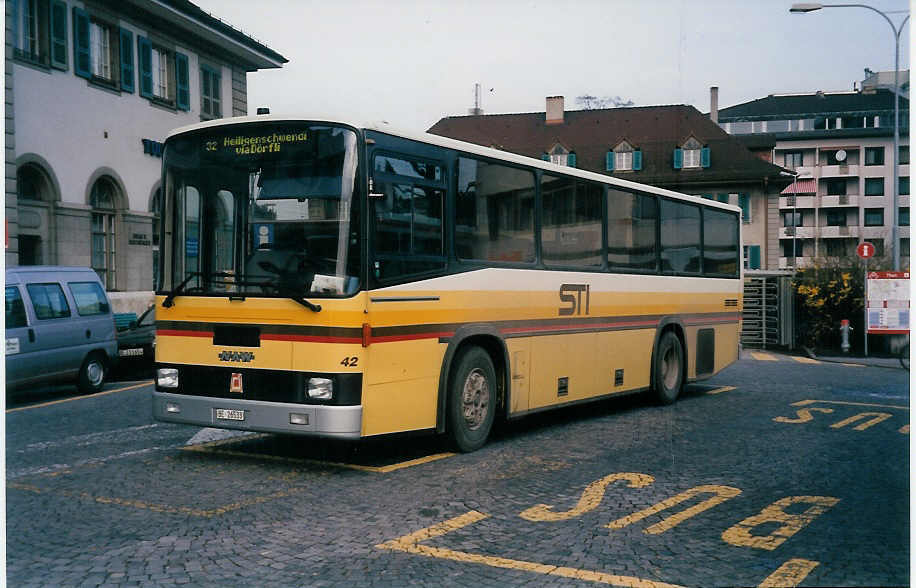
554,110
714,104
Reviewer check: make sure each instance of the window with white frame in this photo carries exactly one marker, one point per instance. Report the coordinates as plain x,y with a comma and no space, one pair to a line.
692,153
161,76
100,55
559,155
623,157
38,31
210,92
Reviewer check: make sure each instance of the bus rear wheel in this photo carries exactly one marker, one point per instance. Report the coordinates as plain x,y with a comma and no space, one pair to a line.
669,368
471,404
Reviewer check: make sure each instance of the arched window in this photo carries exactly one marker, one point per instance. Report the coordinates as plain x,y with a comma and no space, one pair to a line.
30,183
103,200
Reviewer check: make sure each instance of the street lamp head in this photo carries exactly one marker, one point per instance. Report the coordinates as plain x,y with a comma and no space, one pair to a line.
803,7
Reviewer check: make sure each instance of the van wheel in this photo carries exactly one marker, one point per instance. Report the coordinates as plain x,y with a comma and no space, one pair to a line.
471,400
92,374
669,368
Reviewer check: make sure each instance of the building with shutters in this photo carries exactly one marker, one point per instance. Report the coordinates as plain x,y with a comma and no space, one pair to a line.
92,89
841,145
674,147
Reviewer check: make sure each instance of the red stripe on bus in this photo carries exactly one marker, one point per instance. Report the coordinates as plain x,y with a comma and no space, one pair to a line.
311,338
179,333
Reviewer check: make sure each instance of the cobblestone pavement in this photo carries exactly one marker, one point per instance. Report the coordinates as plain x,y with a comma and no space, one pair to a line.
775,472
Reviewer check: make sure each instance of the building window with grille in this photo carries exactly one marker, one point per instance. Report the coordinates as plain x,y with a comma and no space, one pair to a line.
874,217
100,51
793,159
210,92
102,199
874,156
874,186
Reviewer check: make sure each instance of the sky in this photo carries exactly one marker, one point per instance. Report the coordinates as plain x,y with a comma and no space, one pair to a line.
410,63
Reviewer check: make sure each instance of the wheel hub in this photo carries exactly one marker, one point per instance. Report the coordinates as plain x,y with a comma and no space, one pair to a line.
475,399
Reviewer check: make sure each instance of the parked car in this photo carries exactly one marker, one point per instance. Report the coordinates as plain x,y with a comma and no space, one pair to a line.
137,336
59,327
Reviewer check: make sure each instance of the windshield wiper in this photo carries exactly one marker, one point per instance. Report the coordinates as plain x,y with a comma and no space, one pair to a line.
289,293
170,299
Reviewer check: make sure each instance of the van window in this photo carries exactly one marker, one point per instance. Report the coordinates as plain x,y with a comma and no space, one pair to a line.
48,301
89,298
15,309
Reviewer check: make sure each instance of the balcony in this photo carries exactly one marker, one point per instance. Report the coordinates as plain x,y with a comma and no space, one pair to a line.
833,201
839,232
869,233
785,202
796,232
839,171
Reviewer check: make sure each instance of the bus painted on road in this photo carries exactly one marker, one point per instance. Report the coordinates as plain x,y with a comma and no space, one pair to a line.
338,280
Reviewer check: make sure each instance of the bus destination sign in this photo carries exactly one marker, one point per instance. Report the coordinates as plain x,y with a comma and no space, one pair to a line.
256,144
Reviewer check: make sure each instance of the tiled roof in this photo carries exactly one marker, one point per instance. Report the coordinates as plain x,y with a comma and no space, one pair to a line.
655,130
809,105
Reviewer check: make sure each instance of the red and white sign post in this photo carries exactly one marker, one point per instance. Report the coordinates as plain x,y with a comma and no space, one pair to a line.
866,250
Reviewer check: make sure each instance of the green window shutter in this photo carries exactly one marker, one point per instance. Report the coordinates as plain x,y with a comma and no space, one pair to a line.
127,60
571,159
707,196
678,158
744,201
637,160
754,255
81,43
723,198
609,161
145,63
545,156
58,26
704,157
183,96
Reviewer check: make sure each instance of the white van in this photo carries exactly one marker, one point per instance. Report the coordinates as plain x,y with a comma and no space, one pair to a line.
59,327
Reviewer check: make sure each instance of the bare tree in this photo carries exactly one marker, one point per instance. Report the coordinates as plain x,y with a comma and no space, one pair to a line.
589,102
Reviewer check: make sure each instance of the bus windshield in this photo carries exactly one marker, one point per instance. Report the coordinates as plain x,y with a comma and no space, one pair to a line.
263,209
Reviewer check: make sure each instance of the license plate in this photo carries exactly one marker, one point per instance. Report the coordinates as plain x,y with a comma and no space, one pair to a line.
130,352
227,414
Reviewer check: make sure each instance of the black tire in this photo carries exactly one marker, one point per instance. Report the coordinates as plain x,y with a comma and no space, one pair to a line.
668,368
92,374
471,403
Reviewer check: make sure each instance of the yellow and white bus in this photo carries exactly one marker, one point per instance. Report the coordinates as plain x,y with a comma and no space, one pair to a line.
338,280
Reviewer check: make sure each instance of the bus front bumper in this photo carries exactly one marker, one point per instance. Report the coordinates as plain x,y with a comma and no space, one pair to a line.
338,422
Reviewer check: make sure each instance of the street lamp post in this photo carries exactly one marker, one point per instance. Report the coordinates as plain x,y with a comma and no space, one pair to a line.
803,7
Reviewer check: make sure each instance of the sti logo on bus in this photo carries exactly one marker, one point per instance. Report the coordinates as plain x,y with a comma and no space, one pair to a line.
571,295
236,356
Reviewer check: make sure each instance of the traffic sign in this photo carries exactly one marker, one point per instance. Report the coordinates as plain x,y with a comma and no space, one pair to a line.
865,250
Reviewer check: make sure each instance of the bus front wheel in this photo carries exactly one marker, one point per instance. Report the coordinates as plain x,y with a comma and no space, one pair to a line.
669,368
471,399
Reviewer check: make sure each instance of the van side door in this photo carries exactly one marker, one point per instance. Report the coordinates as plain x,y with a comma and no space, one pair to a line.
57,341
19,343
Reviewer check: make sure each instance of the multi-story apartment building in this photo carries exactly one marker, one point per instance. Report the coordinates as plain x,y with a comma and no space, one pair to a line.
841,146
92,89
674,147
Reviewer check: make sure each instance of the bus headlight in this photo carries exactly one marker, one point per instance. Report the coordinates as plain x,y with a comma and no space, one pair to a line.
320,388
167,378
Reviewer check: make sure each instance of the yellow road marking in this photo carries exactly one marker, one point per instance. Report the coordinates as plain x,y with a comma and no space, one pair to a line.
722,493
722,389
154,507
103,393
807,402
851,365
411,544
740,534
208,448
791,573
801,359
590,499
759,356
877,417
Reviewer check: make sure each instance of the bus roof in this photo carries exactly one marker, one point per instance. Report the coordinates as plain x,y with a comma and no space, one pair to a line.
448,143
